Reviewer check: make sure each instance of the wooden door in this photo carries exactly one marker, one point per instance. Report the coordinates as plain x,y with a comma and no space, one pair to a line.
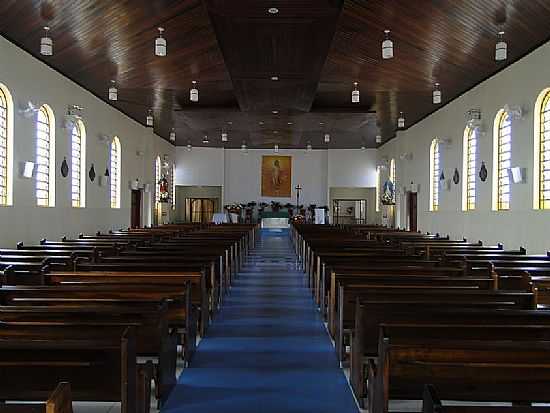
413,211
135,211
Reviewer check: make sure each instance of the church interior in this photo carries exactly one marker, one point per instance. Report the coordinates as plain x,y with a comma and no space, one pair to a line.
274,206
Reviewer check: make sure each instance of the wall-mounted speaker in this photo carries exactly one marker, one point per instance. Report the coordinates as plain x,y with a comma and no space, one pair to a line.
518,175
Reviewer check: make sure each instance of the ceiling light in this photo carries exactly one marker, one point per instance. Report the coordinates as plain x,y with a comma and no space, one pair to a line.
401,120
321,123
501,48
275,112
276,149
194,92
160,44
244,148
224,136
46,43
355,94
289,123
327,138
378,139
150,119
274,78
273,10
387,46
309,148
189,147
363,148
113,91
260,123
205,140
275,132
436,94
229,122
173,135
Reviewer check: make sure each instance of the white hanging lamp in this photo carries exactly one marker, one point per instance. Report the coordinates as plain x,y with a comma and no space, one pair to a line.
205,140
244,148
189,146
309,148
355,94
224,137
401,120
327,138
46,43
387,46
113,91
173,135
150,119
378,139
501,48
194,92
160,44
276,148
436,94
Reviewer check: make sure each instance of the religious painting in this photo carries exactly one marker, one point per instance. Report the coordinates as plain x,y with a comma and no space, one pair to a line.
276,176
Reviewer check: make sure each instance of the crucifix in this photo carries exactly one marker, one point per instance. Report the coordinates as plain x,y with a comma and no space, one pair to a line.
298,190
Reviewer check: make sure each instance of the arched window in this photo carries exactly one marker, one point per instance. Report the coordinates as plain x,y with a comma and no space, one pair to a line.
45,157
116,172
173,186
469,156
392,171
78,163
435,171
377,189
157,181
6,147
502,157
541,185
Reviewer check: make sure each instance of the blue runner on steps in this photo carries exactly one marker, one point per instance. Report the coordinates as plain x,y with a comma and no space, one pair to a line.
267,350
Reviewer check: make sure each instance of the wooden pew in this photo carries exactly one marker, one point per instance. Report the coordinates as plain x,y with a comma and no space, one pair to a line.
154,337
481,362
60,401
100,364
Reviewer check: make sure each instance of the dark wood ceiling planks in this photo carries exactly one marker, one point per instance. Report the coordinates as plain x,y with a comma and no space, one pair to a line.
317,48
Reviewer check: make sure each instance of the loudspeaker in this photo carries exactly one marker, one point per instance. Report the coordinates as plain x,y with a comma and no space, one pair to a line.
27,169
518,175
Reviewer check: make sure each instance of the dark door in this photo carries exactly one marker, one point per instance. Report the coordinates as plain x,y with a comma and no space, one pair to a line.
413,212
135,220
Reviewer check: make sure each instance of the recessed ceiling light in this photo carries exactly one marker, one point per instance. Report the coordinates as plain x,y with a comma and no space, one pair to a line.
321,123
275,132
273,10
275,112
260,123
274,78
289,123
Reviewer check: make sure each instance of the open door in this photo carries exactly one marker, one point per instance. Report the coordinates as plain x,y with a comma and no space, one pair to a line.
135,211
413,211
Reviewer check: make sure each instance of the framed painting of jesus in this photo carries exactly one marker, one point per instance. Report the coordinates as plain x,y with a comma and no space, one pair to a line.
276,176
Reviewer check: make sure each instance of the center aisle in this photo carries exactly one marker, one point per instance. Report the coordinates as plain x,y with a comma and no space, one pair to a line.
267,350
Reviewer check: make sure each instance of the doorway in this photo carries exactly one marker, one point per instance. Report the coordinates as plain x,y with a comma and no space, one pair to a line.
200,210
413,211
135,210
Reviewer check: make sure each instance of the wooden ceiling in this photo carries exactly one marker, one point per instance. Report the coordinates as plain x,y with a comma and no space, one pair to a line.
316,48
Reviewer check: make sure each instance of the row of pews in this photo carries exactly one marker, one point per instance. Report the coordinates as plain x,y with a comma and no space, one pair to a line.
107,317
423,317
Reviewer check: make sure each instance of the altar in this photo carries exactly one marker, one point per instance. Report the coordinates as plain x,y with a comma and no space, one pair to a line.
270,219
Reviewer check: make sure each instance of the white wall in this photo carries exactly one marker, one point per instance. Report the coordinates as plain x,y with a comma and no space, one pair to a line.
240,174
519,84
29,79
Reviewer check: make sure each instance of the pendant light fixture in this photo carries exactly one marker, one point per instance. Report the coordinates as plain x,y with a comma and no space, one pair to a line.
355,94
387,46
309,148
436,95
189,146
194,92
46,43
327,138
401,120
113,91
160,44
173,135
378,139
276,148
363,148
205,140
501,48
150,119
244,148
224,137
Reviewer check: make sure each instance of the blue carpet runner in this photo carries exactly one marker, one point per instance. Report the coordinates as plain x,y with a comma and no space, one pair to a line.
267,350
